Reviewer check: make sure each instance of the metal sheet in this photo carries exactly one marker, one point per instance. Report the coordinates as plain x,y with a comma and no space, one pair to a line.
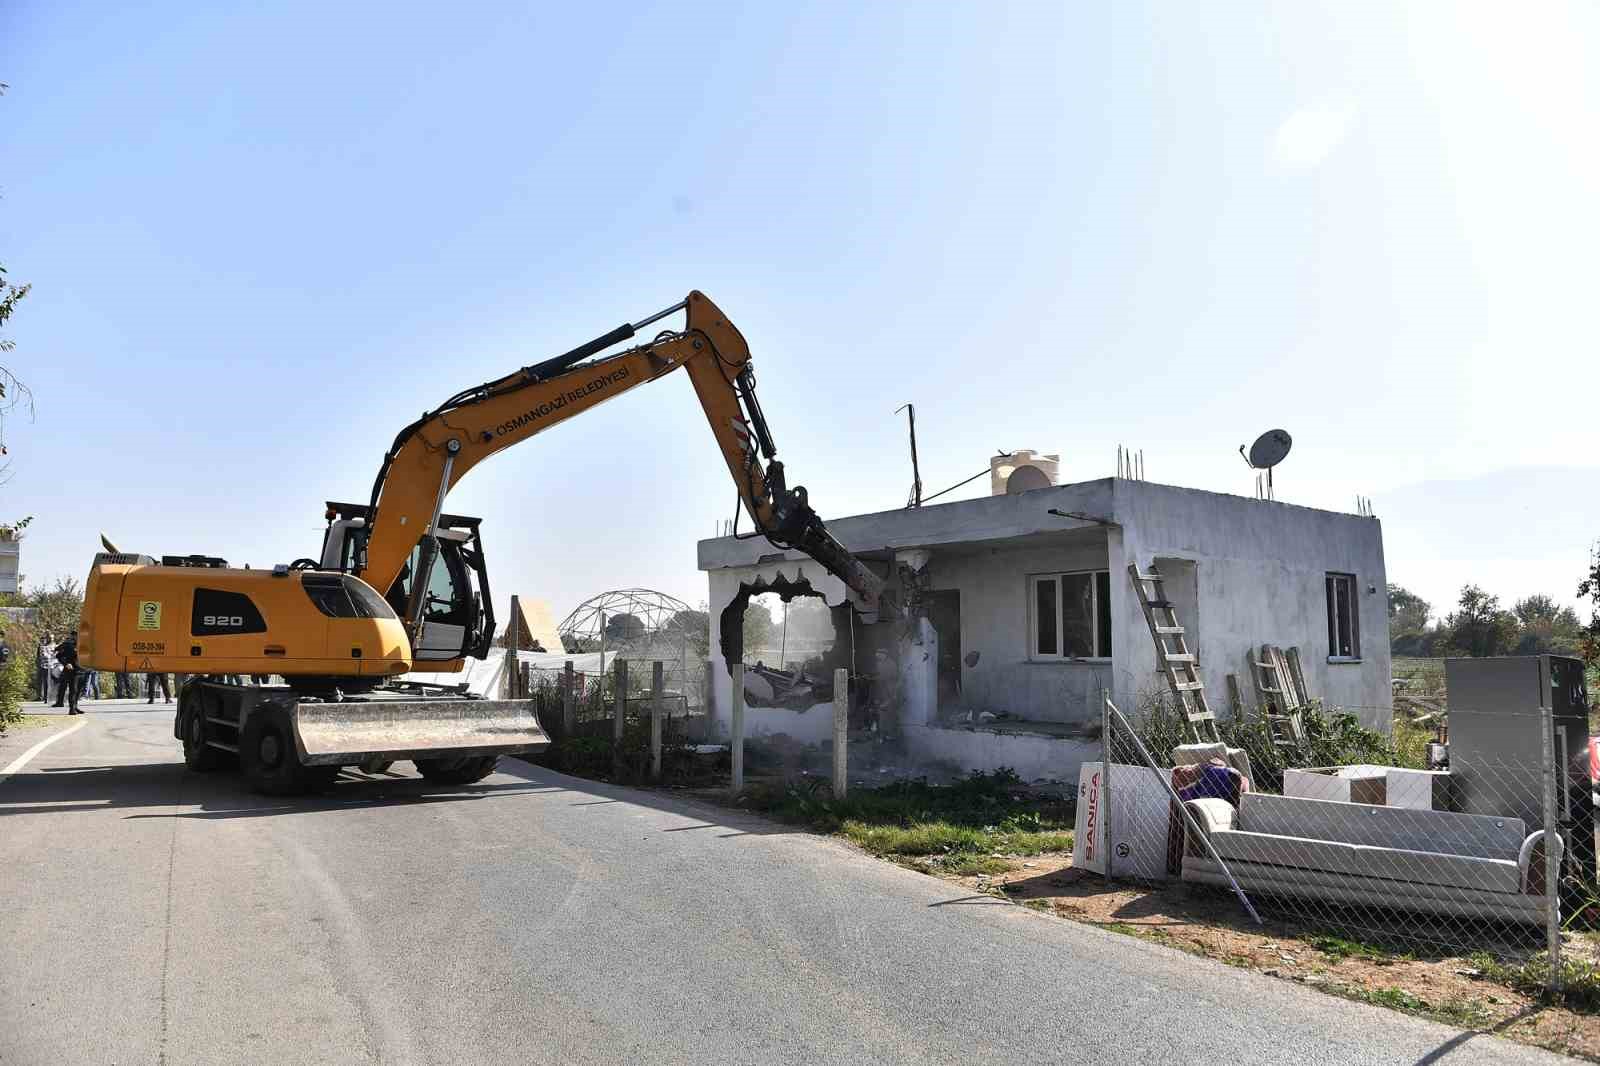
346,733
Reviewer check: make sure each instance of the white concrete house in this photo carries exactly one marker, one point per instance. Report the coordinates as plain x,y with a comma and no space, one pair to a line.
1034,615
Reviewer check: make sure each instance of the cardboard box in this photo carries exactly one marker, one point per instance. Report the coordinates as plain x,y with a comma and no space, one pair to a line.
1343,784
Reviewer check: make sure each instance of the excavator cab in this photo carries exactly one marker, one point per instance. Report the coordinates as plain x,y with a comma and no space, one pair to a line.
457,611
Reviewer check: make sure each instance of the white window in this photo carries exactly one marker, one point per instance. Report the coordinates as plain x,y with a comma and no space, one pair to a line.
1071,615
1344,629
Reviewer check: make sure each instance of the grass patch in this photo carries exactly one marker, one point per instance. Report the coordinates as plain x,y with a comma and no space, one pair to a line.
1393,998
1580,979
1467,1014
1339,948
969,865
982,816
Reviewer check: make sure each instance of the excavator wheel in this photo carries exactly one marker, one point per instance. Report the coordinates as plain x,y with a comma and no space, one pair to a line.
197,754
462,771
269,759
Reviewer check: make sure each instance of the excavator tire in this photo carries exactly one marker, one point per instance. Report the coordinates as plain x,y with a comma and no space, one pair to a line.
197,754
269,760
464,771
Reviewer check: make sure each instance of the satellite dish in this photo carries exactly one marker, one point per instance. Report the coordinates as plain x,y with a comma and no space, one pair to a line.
1270,449
1267,452
1026,479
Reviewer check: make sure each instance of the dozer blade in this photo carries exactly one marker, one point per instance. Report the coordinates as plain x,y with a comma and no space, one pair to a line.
386,730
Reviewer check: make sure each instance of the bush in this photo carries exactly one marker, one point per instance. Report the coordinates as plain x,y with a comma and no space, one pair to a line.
1330,738
16,683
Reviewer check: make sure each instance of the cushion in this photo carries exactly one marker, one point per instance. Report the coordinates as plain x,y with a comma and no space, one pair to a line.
1392,864
1437,832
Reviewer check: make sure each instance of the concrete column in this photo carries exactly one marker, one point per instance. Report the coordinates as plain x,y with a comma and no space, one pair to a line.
736,727
708,702
841,731
919,674
657,708
569,702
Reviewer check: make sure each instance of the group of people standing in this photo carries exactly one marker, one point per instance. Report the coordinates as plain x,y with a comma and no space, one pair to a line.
57,672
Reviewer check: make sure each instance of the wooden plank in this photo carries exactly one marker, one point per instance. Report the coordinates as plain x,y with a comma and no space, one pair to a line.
1293,655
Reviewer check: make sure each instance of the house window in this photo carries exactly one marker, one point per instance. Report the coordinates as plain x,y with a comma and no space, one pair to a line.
1071,615
1344,631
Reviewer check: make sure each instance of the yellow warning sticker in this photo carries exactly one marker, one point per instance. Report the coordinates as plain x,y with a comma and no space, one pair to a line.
149,614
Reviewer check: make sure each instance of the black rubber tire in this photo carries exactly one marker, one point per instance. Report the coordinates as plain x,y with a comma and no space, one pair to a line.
197,754
270,762
464,771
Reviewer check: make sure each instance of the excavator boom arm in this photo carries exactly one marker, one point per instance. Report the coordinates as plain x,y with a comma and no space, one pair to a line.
436,451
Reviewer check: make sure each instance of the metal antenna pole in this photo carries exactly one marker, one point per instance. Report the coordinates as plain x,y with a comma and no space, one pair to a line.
916,474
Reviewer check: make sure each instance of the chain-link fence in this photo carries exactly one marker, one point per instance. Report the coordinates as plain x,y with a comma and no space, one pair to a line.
584,702
1492,853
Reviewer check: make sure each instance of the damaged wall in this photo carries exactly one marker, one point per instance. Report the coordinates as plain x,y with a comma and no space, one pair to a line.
1253,571
729,589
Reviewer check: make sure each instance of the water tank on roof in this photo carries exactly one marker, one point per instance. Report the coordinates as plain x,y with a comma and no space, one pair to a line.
1022,471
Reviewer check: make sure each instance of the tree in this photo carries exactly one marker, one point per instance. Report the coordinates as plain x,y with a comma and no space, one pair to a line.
1408,623
1589,638
1408,612
59,607
1545,627
758,628
1480,627
623,628
696,629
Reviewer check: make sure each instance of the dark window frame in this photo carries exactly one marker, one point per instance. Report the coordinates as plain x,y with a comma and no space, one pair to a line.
1344,617
1099,616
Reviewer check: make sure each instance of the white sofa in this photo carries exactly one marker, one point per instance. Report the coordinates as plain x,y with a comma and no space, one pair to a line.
1466,865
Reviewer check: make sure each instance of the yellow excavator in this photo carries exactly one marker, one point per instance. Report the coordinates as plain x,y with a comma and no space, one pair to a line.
402,585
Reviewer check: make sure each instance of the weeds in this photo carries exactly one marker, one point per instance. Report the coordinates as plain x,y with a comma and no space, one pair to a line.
1580,978
982,815
1330,738
1339,948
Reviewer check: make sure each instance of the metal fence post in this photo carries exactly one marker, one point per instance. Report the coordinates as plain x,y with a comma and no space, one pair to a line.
621,701
708,703
569,703
656,698
736,727
1164,780
1552,871
841,731
1105,779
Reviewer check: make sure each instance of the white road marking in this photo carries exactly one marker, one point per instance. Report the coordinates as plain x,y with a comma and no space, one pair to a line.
22,760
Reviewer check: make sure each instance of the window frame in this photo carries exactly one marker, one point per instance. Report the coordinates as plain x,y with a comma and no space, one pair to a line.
1332,579
1095,608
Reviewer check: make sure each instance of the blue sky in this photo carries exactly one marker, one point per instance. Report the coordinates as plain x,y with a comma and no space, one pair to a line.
261,240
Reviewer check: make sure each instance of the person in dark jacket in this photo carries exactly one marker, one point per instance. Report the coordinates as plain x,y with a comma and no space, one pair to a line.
71,676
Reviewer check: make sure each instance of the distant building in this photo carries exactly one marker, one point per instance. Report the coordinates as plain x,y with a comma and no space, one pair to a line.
10,562
1034,615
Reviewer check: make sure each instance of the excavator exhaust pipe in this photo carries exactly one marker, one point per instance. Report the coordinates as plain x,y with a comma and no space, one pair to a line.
346,734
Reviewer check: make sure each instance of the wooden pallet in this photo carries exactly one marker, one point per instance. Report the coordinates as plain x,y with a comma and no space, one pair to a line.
1173,655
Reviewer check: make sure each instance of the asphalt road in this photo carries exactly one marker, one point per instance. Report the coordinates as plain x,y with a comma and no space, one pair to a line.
151,915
